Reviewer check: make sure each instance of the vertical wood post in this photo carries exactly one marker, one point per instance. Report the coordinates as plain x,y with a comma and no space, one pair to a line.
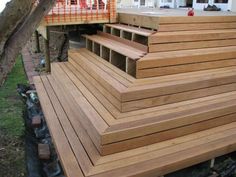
37,45
47,53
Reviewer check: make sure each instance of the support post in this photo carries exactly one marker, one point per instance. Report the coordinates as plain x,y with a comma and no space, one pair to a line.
37,45
47,53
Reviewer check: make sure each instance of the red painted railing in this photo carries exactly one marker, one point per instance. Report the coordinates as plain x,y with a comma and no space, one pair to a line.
82,11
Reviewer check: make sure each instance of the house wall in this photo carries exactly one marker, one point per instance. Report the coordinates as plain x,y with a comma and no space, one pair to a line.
232,5
169,3
223,6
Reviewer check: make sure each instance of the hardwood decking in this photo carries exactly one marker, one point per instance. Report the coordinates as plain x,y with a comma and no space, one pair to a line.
144,102
80,157
105,104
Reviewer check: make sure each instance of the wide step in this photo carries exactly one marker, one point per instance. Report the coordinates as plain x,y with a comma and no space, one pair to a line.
182,61
127,93
184,36
80,157
144,99
121,46
113,131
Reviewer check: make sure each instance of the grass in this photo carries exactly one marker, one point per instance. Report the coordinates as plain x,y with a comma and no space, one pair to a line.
11,106
12,156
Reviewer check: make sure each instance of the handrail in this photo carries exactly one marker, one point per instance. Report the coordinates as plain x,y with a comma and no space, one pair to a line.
85,11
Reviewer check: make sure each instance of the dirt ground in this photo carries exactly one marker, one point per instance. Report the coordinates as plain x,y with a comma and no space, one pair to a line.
12,156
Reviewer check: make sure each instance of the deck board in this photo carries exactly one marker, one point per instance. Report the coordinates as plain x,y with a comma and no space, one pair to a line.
149,96
171,155
137,125
66,154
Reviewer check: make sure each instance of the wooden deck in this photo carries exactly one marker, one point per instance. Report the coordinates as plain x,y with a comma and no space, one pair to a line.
144,102
80,157
83,12
121,113
204,42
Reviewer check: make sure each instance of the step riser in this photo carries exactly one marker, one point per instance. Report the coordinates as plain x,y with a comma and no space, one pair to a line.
203,55
198,26
190,37
191,45
168,70
142,102
166,135
155,101
167,121
80,158
198,117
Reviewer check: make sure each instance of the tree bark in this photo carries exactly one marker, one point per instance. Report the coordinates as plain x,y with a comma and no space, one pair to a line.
19,37
12,15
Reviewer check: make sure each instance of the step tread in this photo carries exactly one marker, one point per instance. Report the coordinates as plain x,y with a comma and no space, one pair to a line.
150,86
132,29
169,111
159,59
194,32
119,47
73,143
186,36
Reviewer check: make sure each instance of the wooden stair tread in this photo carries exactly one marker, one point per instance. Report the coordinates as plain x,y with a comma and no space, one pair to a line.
131,29
148,102
200,35
85,161
159,59
114,132
103,96
119,47
150,87
196,26
194,32
191,45
66,154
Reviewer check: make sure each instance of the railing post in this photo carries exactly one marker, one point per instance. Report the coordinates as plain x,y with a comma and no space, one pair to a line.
112,11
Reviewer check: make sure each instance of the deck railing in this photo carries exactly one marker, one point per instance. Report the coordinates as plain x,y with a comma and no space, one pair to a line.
81,11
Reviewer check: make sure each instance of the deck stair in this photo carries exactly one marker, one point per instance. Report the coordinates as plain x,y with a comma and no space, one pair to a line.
110,115
194,45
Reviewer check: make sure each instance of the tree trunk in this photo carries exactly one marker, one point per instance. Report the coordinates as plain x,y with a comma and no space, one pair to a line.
13,14
19,37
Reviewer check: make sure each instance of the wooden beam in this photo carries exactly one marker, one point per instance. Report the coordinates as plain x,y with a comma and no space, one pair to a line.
37,44
47,52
